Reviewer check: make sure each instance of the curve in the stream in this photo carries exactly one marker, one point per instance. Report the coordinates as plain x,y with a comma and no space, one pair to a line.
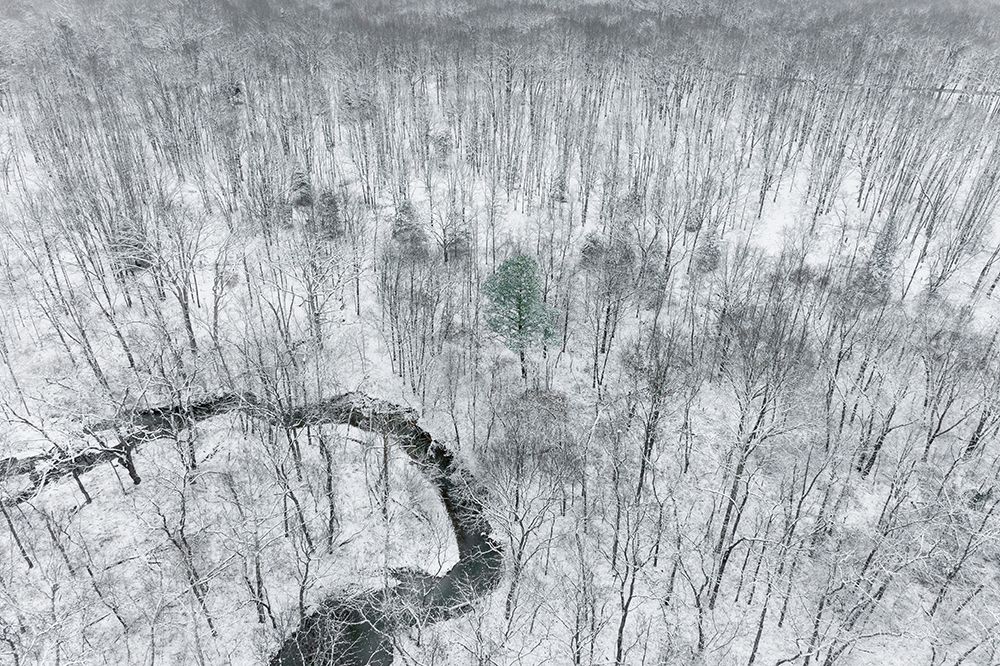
352,630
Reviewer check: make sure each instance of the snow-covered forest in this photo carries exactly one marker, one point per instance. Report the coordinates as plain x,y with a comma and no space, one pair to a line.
475,332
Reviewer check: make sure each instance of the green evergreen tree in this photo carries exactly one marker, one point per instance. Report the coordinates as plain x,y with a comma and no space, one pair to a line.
515,310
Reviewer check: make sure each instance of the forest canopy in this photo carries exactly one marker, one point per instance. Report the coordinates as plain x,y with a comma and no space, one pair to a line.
467,332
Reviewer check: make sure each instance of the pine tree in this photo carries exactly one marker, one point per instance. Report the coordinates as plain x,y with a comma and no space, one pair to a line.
876,275
301,190
708,254
515,310
329,220
409,233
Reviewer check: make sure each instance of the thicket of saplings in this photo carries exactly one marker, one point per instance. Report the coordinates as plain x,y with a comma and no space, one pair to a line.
712,329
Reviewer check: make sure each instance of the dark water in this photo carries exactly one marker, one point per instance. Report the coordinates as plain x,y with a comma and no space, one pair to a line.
359,629
354,629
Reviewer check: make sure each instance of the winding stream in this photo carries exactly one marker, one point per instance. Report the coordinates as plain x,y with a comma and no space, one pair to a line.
351,630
